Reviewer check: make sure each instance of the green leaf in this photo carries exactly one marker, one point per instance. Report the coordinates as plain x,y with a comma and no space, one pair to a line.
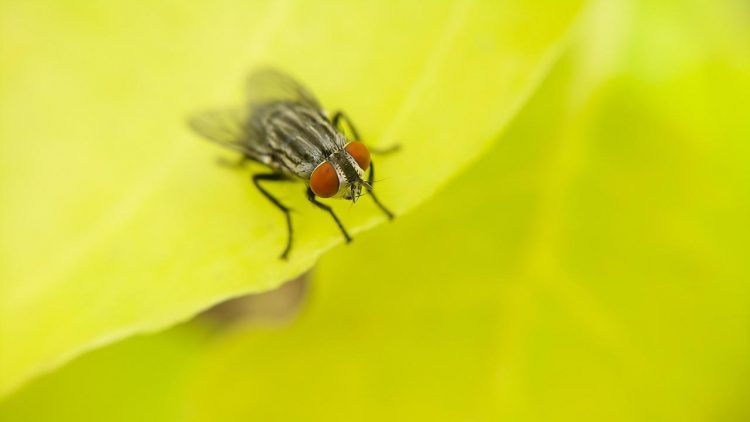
589,267
116,220
135,379
592,266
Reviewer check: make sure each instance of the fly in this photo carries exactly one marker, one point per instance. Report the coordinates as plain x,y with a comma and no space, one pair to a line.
284,128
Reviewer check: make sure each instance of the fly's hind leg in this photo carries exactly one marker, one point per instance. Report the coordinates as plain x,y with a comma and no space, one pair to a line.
336,120
311,198
239,163
277,177
370,180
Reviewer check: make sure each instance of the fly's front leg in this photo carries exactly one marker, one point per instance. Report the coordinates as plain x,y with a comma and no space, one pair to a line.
311,198
336,123
336,120
370,180
277,177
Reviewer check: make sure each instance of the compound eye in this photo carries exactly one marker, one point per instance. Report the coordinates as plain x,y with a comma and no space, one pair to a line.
324,181
360,153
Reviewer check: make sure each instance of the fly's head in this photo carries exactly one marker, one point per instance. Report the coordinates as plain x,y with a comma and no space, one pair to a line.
354,190
342,175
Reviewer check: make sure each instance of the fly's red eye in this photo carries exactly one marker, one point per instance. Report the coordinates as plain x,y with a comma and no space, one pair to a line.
324,181
359,152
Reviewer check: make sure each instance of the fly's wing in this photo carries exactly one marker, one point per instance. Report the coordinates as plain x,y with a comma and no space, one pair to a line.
269,85
231,129
246,130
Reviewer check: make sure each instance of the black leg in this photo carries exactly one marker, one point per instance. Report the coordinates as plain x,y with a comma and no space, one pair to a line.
385,151
311,198
377,151
277,177
232,164
370,180
340,115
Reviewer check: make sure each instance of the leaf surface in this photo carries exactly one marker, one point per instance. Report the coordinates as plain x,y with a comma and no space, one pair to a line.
117,220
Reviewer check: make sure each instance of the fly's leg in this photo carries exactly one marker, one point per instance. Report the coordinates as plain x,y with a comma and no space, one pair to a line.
385,151
276,177
232,164
371,177
336,120
370,180
311,198
339,115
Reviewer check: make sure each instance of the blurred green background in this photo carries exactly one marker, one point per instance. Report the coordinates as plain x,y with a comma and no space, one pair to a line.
592,264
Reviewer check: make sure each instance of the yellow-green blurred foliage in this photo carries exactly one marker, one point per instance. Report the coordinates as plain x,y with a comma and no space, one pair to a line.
117,220
591,265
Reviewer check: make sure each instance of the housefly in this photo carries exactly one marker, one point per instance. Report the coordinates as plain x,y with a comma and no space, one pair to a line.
285,128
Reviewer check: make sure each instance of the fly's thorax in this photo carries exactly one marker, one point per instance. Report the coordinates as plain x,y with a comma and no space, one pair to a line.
339,176
297,138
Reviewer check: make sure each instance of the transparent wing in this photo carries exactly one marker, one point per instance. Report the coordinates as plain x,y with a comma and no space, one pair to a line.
269,85
228,128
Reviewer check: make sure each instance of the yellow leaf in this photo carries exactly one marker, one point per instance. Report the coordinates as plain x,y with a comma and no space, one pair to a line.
116,219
